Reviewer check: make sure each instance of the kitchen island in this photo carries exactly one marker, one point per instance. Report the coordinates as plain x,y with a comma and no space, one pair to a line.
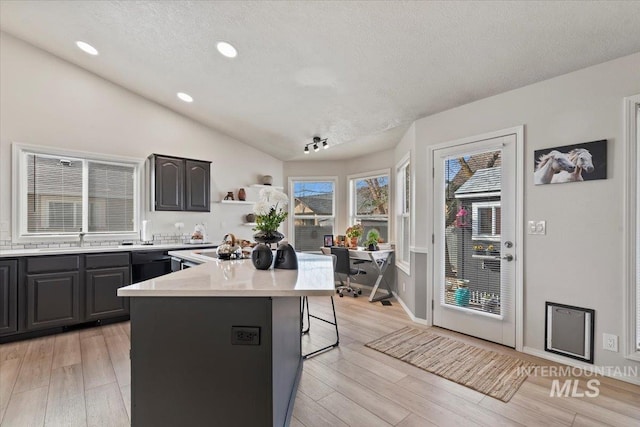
219,343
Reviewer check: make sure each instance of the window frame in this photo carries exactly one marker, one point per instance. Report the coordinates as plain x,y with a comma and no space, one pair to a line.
353,217
292,202
402,212
632,220
19,202
475,222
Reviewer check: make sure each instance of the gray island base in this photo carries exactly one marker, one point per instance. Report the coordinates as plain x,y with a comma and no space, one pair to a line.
219,344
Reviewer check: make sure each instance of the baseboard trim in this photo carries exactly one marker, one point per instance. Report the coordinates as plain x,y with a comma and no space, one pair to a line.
577,364
409,313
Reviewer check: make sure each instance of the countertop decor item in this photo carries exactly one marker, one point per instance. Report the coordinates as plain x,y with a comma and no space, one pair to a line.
270,211
286,257
262,257
229,249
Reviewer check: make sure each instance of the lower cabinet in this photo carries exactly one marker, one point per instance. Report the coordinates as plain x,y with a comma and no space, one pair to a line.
53,299
101,292
8,297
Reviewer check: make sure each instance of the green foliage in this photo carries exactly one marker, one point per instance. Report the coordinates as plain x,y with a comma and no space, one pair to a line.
271,221
372,237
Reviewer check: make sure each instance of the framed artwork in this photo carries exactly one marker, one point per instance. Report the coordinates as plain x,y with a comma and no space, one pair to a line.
571,163
328,240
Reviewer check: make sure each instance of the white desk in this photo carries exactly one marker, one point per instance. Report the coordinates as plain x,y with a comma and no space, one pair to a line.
381,259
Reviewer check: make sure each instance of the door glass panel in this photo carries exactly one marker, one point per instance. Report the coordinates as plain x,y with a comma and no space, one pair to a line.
472,232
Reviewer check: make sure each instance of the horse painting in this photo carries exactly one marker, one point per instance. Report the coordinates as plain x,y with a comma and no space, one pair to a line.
550,164
582,160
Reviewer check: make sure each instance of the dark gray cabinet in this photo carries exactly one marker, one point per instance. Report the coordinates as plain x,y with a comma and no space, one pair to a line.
104,274
52,291
53,299
169,180
181,184
197,185
8,297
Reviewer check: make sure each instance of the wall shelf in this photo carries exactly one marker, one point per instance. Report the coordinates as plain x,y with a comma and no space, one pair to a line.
266,186
249,224
237,202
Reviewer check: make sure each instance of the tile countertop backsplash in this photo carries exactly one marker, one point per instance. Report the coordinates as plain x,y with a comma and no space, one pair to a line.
160,241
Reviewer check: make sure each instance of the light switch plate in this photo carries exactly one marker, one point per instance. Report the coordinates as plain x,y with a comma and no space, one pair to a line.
610,342
537,227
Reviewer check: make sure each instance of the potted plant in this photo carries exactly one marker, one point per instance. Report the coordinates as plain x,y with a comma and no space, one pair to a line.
372,240
269,212
353,233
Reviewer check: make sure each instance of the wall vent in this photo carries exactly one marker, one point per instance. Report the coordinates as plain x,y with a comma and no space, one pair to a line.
569,331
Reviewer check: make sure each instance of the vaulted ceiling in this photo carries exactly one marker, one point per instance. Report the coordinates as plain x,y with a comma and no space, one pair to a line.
357,73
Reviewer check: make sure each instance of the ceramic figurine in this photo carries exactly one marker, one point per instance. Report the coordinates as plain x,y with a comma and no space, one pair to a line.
229,195
242,195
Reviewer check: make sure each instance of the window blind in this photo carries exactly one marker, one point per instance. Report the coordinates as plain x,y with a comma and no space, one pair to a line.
473,268
111,197
54,194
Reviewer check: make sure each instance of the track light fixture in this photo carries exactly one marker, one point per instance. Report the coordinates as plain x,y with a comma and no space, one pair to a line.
316,147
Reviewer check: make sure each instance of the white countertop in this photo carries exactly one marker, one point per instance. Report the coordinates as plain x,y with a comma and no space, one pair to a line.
239,278
94,249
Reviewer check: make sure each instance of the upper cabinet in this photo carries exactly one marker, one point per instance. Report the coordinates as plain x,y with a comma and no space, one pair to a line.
197,189
180,184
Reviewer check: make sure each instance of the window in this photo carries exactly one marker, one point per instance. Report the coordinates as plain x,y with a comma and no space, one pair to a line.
632,261
403,227
312,210
485,219
61,193
369,196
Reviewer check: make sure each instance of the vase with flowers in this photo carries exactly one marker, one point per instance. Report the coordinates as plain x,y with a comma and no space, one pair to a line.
269,212
353,233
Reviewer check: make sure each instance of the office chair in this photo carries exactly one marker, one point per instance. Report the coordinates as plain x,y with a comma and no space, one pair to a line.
305,307
343,266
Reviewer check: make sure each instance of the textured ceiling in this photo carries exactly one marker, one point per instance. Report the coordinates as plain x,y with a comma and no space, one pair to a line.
357,73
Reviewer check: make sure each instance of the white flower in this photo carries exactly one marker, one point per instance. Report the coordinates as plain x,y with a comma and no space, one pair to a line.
273,197
279,197
261,208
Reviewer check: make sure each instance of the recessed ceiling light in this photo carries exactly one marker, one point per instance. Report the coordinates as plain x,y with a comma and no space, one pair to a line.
227,50
185,97
86,47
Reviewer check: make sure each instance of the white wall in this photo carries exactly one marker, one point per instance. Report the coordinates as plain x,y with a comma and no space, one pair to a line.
580,260
47,101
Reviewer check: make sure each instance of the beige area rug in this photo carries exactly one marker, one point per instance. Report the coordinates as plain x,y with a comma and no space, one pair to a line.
494,374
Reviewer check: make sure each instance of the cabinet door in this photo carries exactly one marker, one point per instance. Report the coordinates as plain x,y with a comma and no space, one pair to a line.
8,297
169,176
197,190
102,286
53,299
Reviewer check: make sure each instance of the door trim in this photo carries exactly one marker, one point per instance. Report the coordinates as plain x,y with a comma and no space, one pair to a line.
518,131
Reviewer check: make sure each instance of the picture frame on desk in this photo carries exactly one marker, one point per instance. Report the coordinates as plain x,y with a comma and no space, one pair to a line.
328,240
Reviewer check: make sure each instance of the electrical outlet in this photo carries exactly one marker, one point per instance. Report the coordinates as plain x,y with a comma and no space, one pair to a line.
245,335
610,342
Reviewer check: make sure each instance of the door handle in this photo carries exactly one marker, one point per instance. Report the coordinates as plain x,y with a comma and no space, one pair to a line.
508,257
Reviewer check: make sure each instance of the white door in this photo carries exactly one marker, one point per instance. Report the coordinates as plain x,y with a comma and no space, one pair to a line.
475,238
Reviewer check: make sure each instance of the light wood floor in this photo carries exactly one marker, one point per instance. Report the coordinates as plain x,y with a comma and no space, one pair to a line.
83,379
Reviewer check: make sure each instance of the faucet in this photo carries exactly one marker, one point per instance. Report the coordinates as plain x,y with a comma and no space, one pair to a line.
81,239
